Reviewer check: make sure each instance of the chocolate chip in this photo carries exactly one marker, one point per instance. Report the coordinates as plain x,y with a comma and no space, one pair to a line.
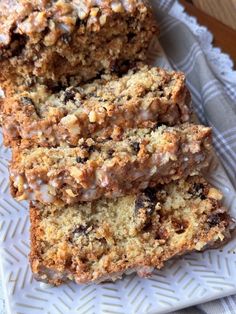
157,125
198,187
69,95
215,219
160,88
81,159
27,101
18,42
55,87
110,153
146,200
84,145
91,149
144,208
80,22
151,194
66,38
135,146
80,230
122,68
130,36
198,190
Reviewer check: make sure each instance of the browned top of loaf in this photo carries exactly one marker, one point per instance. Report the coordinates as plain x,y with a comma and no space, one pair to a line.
51,19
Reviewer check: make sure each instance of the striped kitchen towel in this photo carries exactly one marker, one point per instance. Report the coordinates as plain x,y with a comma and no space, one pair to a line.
212,82
209,73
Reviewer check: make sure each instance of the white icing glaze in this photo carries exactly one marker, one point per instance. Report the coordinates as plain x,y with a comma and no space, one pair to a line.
44,193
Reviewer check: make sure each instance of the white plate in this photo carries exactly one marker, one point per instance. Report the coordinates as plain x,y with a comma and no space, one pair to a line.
189,280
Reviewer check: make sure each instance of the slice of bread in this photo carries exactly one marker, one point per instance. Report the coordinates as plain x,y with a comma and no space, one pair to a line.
102,240
101,109
143,157
51,41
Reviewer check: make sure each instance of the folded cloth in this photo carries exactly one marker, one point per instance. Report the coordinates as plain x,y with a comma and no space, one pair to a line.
212,82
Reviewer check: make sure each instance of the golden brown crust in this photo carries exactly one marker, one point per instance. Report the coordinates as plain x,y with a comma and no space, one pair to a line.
111,168
101,109
104,239
55,39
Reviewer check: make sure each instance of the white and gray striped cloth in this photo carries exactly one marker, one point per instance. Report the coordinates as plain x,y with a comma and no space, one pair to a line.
212,83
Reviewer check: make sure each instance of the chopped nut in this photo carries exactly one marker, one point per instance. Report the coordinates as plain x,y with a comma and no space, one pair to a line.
70,193
19,183
214,193
102,19
200,245
22,197
83,12
94,11
117,7
68,120
92,116
75,172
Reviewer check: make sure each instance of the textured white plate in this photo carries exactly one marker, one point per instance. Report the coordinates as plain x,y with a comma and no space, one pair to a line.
195,278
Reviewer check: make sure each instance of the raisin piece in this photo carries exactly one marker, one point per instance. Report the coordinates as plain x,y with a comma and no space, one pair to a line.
27,101
135,146
179,225
81,159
